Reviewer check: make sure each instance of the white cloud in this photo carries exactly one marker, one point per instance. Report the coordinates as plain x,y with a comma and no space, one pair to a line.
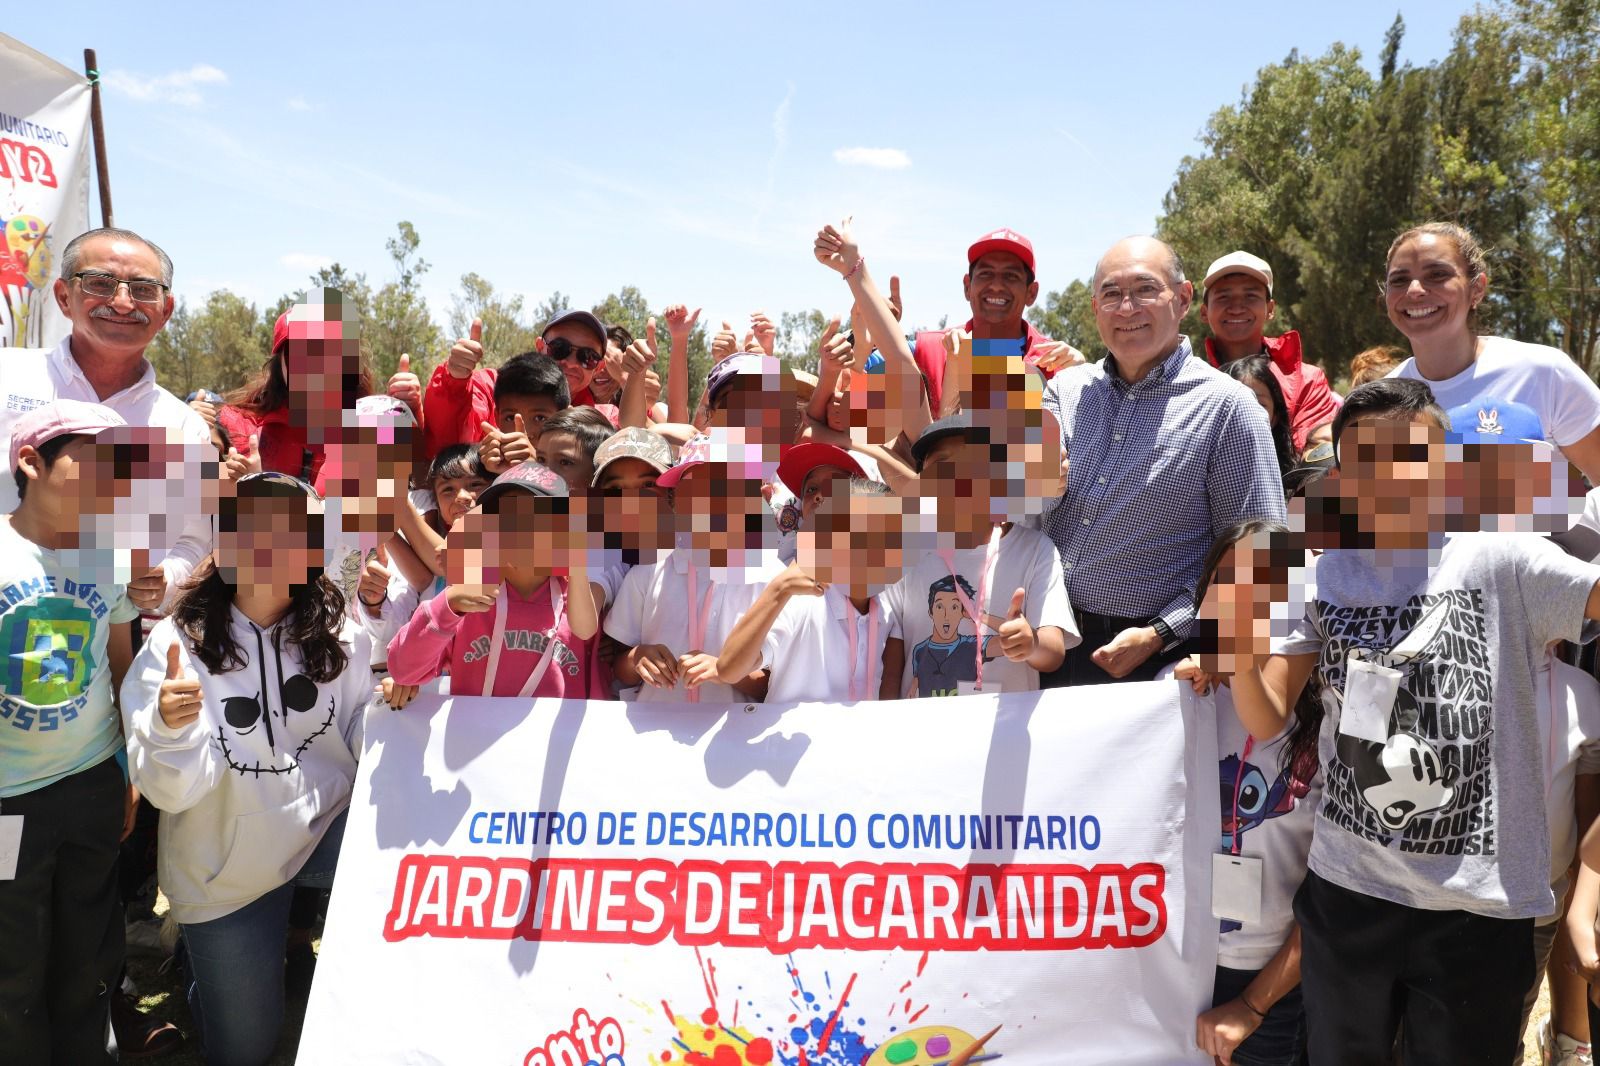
181,87
306,262
299,103
877,158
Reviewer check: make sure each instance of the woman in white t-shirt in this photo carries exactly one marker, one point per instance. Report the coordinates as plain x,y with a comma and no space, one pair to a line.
1434,282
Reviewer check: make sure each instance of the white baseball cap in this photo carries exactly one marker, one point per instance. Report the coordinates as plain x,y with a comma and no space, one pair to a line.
1240,263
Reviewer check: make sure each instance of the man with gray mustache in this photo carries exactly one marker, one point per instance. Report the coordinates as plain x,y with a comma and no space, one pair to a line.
116,288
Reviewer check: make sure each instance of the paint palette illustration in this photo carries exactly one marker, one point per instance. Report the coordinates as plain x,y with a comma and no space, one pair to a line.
928,1045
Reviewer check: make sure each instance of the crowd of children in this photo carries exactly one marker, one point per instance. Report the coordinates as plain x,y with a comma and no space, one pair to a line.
546,528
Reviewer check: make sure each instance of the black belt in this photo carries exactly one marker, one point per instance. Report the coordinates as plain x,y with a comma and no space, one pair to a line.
1090,623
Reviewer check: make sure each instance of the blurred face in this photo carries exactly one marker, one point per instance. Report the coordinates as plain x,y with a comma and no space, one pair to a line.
532,532
117,325
369,478
634,517
1237,308
1392,477
721,515
269,550
562,453
317,372
854,541
998,289
456,495
1235,616
1426,290
533,409
581,346
818,486
959,477
1137,308
81,481
767,406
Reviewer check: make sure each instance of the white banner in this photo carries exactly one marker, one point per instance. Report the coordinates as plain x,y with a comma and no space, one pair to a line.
44,188
539,883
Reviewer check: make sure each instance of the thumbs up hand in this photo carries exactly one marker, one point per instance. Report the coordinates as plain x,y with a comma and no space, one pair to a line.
467,353
835,247
406,386
641,353
373,588
1016,635
180,698
837,352
238,464
489,448
680,320
516,446
724,344
764,332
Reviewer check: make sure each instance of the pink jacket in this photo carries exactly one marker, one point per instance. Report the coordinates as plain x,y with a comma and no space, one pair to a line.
437,640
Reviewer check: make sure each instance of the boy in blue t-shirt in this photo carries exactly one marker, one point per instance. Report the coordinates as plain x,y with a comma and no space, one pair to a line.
64,646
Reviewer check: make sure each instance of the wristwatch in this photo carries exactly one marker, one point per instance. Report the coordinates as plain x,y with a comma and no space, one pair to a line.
1164,631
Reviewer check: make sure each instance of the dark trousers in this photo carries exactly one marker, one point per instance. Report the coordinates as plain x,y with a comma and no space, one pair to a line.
1099,630
61,921
1450,982
1280,1039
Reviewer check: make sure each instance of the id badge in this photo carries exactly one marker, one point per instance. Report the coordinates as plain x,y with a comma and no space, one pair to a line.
10,845
1369,693
1236,888
968,688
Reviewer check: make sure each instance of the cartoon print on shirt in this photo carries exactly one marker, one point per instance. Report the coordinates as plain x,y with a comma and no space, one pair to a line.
1258,801
287,738
1429,783
948,656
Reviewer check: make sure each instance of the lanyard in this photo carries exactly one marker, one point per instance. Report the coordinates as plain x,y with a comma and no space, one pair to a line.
850,626
1238,779
974,610
497,639
698,620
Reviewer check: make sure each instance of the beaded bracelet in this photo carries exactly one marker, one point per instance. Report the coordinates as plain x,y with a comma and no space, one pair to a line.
855,269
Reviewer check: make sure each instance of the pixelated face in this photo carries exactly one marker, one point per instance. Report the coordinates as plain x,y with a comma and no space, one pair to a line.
267,544
1237,308
82,480
767,406
634,516
115,323
998,289
369,478
1136,307
1392,477
456,495
316,371
721,515
1426,290
530,531
562,453
533,409
581,347
946,613
854,541
820,484
959,476
465,554
1235,617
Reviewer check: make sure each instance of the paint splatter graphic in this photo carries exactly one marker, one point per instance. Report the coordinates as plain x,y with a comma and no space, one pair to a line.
813,1029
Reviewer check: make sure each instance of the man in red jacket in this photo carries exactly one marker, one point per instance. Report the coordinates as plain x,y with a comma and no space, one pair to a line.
460,393
1000,285
1236,307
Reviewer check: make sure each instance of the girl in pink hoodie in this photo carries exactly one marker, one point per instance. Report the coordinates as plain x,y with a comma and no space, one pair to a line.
533,630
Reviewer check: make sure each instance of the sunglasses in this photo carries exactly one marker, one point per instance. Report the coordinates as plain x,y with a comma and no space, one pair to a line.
562,349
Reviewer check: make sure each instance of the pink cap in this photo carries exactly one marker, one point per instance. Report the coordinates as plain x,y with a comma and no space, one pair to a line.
58,418
1002,240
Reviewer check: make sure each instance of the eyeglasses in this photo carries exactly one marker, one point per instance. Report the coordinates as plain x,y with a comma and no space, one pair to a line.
105,286
562,349
1143,295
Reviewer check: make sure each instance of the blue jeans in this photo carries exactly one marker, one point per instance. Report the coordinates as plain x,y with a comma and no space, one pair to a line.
236,966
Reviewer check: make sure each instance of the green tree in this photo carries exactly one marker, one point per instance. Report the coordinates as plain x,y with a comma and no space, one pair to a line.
180,366
799,334
506,330
1068,316
401,321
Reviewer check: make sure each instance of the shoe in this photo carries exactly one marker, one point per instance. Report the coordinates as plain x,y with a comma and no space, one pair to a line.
299,967
140,1036
1559,1049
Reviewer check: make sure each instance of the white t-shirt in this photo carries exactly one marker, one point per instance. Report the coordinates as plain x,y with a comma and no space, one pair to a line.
1571,736
652,607
1546,379
808,648
941,641
56,710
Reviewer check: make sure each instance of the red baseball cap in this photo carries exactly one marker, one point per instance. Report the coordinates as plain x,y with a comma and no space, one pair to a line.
1002,240
801,459
280,332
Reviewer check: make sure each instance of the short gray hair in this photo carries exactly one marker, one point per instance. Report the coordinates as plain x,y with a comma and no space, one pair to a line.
1175,275
72,255
865,486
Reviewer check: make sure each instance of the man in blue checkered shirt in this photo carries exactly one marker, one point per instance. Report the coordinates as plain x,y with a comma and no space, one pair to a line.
1166,453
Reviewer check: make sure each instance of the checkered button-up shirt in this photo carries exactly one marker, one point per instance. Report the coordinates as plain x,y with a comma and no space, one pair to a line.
1159,468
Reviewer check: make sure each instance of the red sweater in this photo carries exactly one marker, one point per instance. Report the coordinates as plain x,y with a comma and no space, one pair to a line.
283,446
454,409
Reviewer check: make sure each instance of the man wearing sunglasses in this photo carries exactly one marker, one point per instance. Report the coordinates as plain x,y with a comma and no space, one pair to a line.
116,289
460,394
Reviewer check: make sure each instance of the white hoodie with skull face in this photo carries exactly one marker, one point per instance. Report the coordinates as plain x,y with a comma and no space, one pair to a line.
247,789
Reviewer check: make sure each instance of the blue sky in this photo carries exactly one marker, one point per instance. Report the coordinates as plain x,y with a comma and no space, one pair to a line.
691,150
